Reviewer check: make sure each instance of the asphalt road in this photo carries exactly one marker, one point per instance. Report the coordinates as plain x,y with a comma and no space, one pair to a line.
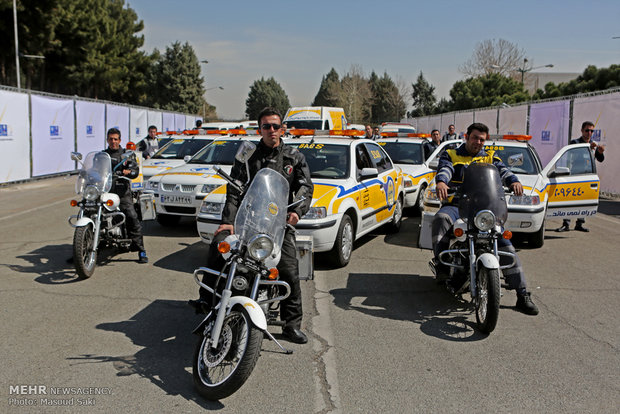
384,337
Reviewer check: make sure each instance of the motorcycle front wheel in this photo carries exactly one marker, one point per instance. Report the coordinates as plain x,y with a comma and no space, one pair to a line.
219,372
84,258
487,302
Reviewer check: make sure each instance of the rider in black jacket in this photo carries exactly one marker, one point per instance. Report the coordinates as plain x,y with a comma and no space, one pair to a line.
272,153
122,188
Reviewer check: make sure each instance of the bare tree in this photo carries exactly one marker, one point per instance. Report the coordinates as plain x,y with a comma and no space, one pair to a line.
355,95
494,56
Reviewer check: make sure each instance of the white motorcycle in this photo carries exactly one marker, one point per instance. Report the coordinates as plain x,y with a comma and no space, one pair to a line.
246,291
100,221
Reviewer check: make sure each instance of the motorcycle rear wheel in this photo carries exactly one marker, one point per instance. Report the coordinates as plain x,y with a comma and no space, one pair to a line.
487,302
84,258
219,372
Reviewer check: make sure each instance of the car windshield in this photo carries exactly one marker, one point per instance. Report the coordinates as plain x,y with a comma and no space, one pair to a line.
304,124
179,148
218,152
163,141
326,160
404,152
520,160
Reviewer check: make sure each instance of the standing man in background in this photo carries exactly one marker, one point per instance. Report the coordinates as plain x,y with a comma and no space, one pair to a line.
430,146
587,129
451,134
149,145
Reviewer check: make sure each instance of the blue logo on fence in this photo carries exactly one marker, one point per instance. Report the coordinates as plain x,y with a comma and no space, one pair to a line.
89,130
596,135
546,136
54,130
138,131
4,130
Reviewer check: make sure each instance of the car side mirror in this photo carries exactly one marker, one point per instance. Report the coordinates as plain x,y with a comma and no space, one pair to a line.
245,151
433,165
559,172
369,173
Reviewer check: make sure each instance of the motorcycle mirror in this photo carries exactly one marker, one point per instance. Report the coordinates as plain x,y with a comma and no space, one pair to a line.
76,156
515,160
245,151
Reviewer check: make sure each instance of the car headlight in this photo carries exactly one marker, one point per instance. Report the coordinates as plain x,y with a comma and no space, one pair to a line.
524,200
431,195
316,213
484,220
260,246
152,185
408,182
91,193
207,188
209,207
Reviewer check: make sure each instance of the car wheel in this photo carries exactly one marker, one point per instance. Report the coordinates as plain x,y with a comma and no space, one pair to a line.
537,239
343,246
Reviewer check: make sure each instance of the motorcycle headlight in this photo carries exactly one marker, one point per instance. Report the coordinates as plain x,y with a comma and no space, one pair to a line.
484,220
152,185
260,246
91,193
207,188
208,207
316,213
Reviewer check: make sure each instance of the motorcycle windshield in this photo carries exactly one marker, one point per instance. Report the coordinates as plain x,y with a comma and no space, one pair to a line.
482,190
263,209
97,171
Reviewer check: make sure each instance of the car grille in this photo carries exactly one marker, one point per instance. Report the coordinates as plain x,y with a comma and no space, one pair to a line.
185,188
180,210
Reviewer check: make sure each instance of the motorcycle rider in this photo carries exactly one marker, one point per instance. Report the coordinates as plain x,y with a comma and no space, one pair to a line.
122,188
450,172
272,153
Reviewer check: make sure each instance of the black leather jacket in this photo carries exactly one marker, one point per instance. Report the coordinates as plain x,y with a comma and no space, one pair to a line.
284,159
122,187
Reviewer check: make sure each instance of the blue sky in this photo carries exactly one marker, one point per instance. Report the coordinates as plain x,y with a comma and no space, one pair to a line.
297,42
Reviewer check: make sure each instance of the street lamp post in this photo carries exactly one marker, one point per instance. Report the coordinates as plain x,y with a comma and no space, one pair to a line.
523,69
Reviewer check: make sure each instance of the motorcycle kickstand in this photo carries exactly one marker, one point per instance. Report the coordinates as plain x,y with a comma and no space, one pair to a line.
286,351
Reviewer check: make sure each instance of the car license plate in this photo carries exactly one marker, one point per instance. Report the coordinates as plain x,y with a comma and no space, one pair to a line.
176,199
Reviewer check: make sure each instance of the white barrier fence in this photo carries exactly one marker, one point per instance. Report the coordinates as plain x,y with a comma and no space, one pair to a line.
549,124
38,131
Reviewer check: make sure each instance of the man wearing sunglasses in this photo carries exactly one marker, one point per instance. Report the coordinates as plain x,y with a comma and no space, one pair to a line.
587,129
272,153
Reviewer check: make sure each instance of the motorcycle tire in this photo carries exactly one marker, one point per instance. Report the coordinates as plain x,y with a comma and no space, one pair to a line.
219,372
487,302
84,258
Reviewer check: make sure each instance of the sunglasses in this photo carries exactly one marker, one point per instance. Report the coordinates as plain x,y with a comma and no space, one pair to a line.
588,130
267,127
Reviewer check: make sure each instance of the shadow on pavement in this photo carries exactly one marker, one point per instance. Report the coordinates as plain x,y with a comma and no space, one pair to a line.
164,330
185,260
412,298
50,263
186,227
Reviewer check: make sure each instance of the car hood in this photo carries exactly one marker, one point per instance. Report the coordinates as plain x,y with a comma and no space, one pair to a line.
152,167
188,174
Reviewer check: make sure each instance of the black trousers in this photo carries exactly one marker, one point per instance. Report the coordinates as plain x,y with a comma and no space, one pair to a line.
132,223
290,309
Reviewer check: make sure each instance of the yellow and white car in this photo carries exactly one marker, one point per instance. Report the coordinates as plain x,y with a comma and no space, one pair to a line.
357,189
567,187
407,152
179,191
173,154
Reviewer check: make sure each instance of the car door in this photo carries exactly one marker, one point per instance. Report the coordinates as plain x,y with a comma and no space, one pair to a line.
383,188
572,185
